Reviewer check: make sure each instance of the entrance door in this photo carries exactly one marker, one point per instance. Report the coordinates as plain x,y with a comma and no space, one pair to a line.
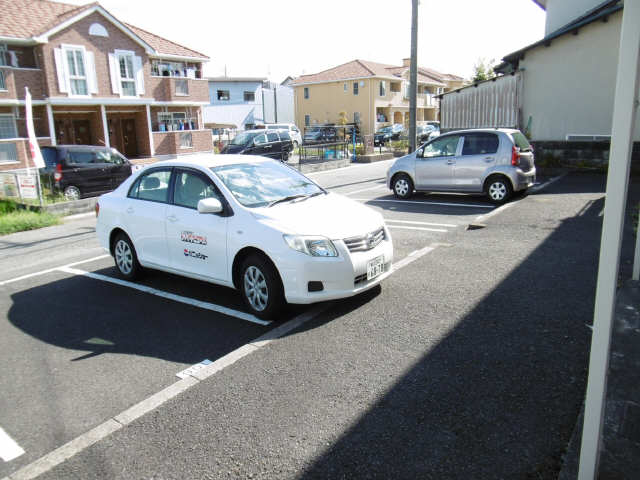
81,132
129,140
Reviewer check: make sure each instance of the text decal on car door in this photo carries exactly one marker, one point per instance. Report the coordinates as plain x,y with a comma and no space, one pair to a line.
191,237
194,254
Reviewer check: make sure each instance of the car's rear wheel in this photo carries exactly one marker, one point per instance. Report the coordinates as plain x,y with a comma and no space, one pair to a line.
72,193
402,186
498,188
261,287
126,258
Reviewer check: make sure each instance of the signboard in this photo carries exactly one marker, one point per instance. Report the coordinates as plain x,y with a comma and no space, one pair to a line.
28,187
8,185
368,144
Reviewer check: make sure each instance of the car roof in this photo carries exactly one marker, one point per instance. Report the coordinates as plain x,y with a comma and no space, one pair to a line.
79,147
208,160
482,130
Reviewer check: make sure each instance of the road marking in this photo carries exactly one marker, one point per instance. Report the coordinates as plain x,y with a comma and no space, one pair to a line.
501,208
50,270
9,449
357,165
387,220
403,227
466,205
537,188
171,296
363,190
193,369
105,429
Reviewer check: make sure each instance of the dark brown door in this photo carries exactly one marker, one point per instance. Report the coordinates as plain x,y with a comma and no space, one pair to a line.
81,132
129,140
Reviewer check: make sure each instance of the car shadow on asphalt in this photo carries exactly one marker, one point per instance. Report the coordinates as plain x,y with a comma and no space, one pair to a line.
499,395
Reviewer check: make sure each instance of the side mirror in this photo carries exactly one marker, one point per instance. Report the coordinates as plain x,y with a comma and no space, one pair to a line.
209,205
420,152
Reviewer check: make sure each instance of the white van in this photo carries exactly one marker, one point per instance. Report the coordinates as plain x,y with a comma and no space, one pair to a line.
294,132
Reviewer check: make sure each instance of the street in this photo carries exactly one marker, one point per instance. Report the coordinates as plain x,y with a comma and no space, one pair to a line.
468,362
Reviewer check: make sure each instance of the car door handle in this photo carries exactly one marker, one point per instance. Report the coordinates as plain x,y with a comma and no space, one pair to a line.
489,159
172,218
450,162
268,146
130,210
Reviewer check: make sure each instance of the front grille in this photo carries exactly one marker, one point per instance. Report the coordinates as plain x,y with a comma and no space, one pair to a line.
365,242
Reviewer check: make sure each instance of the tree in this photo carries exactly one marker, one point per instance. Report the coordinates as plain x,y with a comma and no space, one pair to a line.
483,70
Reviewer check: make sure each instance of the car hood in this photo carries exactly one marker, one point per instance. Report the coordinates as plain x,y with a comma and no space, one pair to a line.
233,148
331,215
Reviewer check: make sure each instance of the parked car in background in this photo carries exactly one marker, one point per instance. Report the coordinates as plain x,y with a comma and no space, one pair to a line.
294,132
497,162
320,134
387,134
267,143
424,133
83,170
248,223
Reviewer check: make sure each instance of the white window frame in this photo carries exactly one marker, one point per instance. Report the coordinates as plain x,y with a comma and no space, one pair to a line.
183,81
186,139
3,84
244,96
70,77
383,88
4,53
15,127
121,54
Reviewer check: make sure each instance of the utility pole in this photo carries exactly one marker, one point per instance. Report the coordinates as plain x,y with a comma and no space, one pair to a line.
413,75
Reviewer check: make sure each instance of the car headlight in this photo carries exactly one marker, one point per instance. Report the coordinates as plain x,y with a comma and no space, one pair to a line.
314,246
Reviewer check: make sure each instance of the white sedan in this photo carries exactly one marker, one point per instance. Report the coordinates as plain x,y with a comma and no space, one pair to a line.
245,222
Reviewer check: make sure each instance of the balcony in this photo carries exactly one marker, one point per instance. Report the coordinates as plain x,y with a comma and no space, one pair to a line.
176,89
15,79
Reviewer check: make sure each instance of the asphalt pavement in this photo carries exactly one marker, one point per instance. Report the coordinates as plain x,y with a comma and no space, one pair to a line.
469,361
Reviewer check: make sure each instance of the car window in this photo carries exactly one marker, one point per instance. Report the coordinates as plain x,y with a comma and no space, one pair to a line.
480,144
521,141
190,188
442,147
272,137
82,157
261,139
153,186
285,136
50,156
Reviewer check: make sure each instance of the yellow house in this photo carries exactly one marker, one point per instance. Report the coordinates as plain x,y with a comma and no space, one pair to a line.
370,94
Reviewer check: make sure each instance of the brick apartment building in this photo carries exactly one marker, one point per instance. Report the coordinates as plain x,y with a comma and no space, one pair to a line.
96,81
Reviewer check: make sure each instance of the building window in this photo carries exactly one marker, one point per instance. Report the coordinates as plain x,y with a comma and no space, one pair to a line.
356,117
346,88
383,88
355,88
8,153
186,140
249,96
172,121
249,126
127,79
395,87
4,56
306,92
182,87
2,84
8,127
223,95
77,74
307,120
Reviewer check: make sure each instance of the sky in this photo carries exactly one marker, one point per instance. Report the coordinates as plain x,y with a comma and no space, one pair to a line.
279,38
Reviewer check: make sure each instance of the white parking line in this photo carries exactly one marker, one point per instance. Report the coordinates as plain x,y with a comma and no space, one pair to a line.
80,443
537,188
403,227
387,220
466,205
50,270
9,449
364,190
171,296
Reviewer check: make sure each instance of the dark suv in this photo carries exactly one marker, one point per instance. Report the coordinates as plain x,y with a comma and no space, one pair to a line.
276,144
83,170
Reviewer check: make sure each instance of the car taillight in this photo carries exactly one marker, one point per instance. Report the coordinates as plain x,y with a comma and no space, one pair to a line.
57,176
515,156
97,209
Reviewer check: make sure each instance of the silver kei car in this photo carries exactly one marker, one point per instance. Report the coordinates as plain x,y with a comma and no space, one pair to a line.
497,162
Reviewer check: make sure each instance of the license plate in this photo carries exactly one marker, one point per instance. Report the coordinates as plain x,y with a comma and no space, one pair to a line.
375,267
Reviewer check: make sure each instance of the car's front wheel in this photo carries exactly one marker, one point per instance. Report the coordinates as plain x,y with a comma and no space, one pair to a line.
261,287
402,186
72,193
126,258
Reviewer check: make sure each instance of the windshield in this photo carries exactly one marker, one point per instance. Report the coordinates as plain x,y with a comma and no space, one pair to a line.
259,184
385,130
243,138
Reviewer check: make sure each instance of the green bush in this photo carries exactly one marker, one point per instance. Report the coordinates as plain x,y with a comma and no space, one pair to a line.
7,206
18,221
400,145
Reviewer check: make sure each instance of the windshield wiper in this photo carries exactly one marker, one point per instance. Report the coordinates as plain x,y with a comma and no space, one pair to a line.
285,199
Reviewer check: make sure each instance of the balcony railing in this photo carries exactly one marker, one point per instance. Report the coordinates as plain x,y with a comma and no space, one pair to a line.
167,89
15,79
